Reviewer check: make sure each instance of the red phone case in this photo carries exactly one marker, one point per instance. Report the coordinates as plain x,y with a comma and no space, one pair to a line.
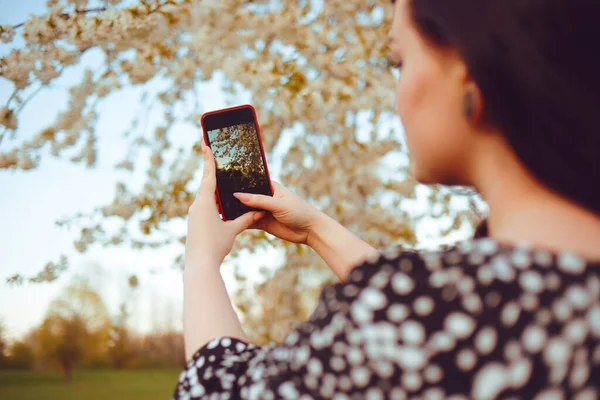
262,149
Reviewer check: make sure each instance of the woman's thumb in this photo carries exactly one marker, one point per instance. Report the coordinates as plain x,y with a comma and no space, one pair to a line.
247,220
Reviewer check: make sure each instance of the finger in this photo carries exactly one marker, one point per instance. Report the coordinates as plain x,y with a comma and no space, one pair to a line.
246,221
262,223
209,177
267,203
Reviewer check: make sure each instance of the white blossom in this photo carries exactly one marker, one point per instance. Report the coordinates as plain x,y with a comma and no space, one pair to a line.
298,81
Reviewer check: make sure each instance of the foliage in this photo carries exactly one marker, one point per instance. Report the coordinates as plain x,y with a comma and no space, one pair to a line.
15,355
75,328
3,344
49,273
158,350
311,66
21,356
78,332
119,349
63,342
80,298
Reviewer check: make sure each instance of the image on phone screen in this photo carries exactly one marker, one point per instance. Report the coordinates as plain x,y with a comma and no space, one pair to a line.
240,166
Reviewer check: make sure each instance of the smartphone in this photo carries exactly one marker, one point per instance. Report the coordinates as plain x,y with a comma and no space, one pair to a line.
233,135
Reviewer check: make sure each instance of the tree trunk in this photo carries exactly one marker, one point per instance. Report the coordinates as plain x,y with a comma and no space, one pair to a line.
66,375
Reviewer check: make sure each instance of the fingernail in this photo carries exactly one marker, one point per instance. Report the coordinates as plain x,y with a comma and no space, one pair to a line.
258,216
242,196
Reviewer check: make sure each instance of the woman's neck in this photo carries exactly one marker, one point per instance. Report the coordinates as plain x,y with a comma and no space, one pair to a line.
522,209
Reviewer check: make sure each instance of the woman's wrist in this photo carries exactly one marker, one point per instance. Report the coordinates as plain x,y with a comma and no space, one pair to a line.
202,267
319,227
340,248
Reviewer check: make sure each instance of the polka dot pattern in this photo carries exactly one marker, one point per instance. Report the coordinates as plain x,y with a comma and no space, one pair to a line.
480,320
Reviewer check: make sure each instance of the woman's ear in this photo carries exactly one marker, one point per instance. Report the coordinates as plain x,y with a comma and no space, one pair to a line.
471,105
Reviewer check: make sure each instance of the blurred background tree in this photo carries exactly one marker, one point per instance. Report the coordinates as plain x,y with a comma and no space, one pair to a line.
21,356
75,329
78,333
15,355
121,337
3,344
120,350
63,342
316,72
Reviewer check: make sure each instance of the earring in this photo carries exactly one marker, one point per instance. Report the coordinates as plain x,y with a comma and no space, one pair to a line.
468,104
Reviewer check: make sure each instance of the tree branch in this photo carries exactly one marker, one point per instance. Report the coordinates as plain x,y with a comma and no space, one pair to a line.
65,15
91,10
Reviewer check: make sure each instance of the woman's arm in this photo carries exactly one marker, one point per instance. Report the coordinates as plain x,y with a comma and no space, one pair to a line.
207,309
208,312
338,247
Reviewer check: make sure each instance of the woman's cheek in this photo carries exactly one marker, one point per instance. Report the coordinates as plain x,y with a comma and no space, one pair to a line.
399,98
408,99
407,95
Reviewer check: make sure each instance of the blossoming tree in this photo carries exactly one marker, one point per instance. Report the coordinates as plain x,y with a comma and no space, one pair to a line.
311,65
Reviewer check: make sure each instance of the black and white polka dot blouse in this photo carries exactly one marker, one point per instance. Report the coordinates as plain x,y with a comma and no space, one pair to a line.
478,321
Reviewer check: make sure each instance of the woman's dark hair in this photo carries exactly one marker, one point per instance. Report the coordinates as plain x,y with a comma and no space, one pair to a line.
537,64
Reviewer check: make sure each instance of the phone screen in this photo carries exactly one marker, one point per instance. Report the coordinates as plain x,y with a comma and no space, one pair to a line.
233,138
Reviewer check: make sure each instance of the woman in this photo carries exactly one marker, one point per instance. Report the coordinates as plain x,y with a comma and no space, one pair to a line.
498,95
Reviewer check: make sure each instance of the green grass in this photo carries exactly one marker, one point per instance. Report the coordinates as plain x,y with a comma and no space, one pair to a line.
89,385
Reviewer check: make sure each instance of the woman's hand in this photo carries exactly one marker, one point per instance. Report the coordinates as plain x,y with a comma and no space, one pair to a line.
290,217
209,238
293,219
